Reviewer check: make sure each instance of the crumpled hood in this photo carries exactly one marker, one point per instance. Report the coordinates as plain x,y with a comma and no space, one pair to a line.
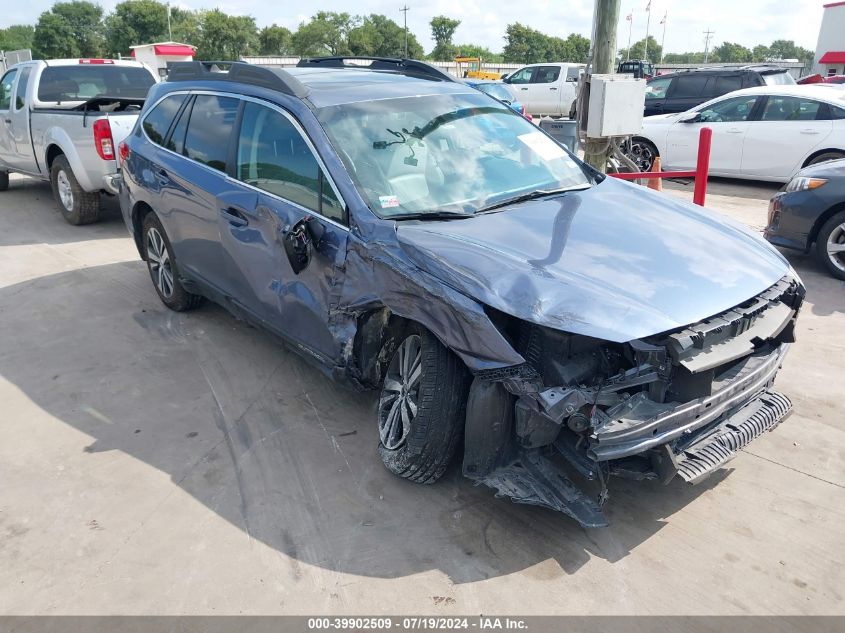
617,261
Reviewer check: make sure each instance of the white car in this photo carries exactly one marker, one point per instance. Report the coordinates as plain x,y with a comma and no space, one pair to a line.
763,133
546,89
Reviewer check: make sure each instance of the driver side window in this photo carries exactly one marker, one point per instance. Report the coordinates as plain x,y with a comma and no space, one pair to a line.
729,111
522,76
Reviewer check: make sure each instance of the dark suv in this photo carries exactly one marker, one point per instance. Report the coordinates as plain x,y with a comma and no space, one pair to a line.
678,92
414,236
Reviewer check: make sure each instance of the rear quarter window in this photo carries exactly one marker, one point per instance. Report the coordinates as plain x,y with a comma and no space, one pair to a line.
209,130
158,121
687,86
778,79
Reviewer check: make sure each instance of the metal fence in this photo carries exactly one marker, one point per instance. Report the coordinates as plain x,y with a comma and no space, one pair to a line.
10,58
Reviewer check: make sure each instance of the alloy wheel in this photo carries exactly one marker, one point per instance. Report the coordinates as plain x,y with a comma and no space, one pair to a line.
65,190
642,154
400,395
836,247
158,259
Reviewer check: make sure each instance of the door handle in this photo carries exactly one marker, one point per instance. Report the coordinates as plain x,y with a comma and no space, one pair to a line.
734,130
552,88
9,121
523,88
809,131
234,216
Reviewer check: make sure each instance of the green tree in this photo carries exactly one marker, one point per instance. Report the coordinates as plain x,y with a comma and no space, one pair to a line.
638,50
527,46
683,58
442,31
69,29
135,22
16,37
760,53
275,40
378,35
327,33
186,26
226,37
476,50
728,52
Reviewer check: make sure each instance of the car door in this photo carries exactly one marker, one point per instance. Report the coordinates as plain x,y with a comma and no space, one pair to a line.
191,173
285,235
569,88
687,91
21,156
7,141
519,82
544,89
655,95
789,129
729,118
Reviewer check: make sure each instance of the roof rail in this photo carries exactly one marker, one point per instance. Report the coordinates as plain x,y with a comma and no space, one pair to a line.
240,72
410,67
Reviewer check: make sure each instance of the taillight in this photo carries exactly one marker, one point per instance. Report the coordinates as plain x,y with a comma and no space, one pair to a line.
96,61
122,152
103,140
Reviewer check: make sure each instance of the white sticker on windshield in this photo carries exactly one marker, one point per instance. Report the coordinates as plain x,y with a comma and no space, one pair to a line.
388,201
542,145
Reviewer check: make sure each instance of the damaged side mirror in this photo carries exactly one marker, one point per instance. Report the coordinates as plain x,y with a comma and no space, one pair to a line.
300,241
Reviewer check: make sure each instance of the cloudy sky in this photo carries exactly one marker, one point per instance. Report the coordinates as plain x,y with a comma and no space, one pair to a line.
748,22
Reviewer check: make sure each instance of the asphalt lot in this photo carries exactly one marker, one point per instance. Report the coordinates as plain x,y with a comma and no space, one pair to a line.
154,462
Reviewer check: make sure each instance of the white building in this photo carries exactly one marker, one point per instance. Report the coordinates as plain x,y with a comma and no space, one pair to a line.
157,55
830,49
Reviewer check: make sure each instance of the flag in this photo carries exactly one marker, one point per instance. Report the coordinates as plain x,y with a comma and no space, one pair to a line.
663,21
629,17
648,6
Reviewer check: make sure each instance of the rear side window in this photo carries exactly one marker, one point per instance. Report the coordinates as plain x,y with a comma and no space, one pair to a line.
687,86
573,73
176,142
6,89
836,112
790,109
546,75
656,88
273,156
158,121
20,93
209,130
778,79
727,83
83,82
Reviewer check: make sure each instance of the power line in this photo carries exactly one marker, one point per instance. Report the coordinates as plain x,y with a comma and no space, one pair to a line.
405,10
708,34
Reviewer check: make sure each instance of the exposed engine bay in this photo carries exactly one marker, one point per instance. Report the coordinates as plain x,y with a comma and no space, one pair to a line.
678,403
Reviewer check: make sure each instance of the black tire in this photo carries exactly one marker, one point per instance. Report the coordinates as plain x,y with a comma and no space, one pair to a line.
642,152
79,207
163,269
4,180
832,233
431,436
823,158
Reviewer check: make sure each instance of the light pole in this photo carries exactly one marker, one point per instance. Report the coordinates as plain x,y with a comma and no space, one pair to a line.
404,11
647,24
630,18
663,39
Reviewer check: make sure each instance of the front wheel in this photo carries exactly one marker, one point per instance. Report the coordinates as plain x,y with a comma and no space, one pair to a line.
643,153
830,245
76,205
422,406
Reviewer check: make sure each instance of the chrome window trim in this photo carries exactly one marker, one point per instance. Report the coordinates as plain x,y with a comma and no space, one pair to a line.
272,106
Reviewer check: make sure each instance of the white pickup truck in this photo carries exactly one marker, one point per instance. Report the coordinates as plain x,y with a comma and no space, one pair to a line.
546,89
62,120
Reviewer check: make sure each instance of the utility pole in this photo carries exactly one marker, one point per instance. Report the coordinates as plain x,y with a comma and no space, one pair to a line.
404,11
647,24
707,35
605,20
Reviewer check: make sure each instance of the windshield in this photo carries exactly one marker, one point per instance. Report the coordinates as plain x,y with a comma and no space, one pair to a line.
86,81
497,91
444,153
778,79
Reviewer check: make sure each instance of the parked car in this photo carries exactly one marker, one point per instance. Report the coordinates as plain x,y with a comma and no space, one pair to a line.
415,237
62,120
498,91
639,68
546,89
818,79
810,211
764,133
680,91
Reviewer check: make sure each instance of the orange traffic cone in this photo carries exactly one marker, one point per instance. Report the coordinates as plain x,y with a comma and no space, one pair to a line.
655,183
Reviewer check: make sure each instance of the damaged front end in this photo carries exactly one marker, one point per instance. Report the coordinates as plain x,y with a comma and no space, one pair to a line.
679,403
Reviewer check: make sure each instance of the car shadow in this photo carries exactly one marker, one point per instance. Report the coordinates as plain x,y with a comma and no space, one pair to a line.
274,447
825,293
29,206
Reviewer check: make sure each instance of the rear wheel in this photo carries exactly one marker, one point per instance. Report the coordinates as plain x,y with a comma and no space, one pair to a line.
421,407
4,180
830,245
643,153
162,267
76,205
823,158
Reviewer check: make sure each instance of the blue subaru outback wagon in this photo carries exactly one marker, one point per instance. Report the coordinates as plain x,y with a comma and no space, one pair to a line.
416,237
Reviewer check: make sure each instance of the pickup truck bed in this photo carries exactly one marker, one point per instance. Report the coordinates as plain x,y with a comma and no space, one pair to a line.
62,121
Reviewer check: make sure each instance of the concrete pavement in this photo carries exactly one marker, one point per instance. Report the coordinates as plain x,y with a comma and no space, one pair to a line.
154,462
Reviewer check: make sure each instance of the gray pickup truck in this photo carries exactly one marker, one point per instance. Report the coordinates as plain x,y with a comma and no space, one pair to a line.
62,121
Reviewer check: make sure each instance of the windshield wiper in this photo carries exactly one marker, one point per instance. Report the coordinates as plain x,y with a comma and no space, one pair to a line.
431,215
533,195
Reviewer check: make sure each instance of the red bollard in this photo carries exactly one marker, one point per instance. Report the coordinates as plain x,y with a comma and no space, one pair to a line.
705,138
